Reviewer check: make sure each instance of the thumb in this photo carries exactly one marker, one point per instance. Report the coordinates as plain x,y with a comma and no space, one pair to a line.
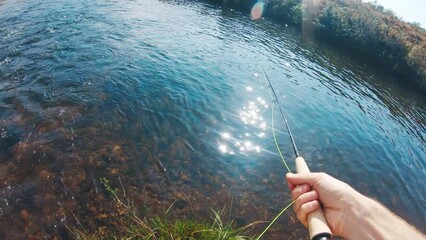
304,178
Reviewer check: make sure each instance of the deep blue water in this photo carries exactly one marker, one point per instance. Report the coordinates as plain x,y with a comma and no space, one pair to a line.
92,89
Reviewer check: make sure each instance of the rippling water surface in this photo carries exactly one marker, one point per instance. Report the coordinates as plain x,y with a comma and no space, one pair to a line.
170,96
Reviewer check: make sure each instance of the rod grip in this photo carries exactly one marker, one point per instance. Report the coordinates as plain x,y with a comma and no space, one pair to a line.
318,227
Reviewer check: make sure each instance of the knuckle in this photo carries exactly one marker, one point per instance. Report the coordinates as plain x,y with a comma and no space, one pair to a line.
311,195
303,208
315,194
295,193
297,205
306,187
300,216
322,175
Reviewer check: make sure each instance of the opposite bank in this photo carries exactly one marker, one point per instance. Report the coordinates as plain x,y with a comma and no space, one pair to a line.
365,30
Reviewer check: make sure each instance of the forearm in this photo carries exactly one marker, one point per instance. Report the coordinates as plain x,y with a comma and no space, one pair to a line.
349,213
377,222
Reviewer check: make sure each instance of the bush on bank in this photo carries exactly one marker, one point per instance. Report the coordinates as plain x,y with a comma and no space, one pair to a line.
364,29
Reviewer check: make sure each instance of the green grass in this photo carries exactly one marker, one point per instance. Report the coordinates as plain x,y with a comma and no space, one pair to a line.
131,226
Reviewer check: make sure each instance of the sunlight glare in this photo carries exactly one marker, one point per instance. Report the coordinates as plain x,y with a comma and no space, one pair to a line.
226,135
223,148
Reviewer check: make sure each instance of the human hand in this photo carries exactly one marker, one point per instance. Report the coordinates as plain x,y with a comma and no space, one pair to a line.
339,200
348,213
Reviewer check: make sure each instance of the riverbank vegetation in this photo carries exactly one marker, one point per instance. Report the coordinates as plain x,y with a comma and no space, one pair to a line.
129,224
366,30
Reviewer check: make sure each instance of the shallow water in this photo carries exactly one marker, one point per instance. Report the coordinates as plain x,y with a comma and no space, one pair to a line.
170,97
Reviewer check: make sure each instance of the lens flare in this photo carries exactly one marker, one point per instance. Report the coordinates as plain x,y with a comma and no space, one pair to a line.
257,10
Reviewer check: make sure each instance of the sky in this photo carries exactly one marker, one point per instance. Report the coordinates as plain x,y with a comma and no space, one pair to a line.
409,10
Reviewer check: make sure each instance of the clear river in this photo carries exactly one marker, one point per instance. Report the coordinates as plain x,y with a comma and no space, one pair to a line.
167,100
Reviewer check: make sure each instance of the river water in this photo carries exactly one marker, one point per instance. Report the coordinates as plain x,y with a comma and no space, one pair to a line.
167,100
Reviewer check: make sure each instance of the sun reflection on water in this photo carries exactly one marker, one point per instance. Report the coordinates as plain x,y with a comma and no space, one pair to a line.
251,116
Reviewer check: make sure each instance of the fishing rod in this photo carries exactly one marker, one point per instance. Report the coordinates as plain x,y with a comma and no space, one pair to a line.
318,227
282,115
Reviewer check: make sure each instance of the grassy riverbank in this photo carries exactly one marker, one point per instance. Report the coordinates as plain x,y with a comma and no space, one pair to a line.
365,30
129,224
160,228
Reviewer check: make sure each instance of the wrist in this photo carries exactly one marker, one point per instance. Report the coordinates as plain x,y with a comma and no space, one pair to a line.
359,213
368,226
371,220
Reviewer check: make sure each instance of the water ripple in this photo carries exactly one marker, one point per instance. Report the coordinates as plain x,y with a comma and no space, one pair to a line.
169,95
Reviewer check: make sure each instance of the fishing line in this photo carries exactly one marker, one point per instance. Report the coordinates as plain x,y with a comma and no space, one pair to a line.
275,101
275,98
275,219
318,227
275,139
273,121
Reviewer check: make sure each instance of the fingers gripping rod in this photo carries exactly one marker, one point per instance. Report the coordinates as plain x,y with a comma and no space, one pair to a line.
318,227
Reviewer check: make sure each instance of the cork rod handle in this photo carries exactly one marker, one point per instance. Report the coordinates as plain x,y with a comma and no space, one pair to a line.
318,227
